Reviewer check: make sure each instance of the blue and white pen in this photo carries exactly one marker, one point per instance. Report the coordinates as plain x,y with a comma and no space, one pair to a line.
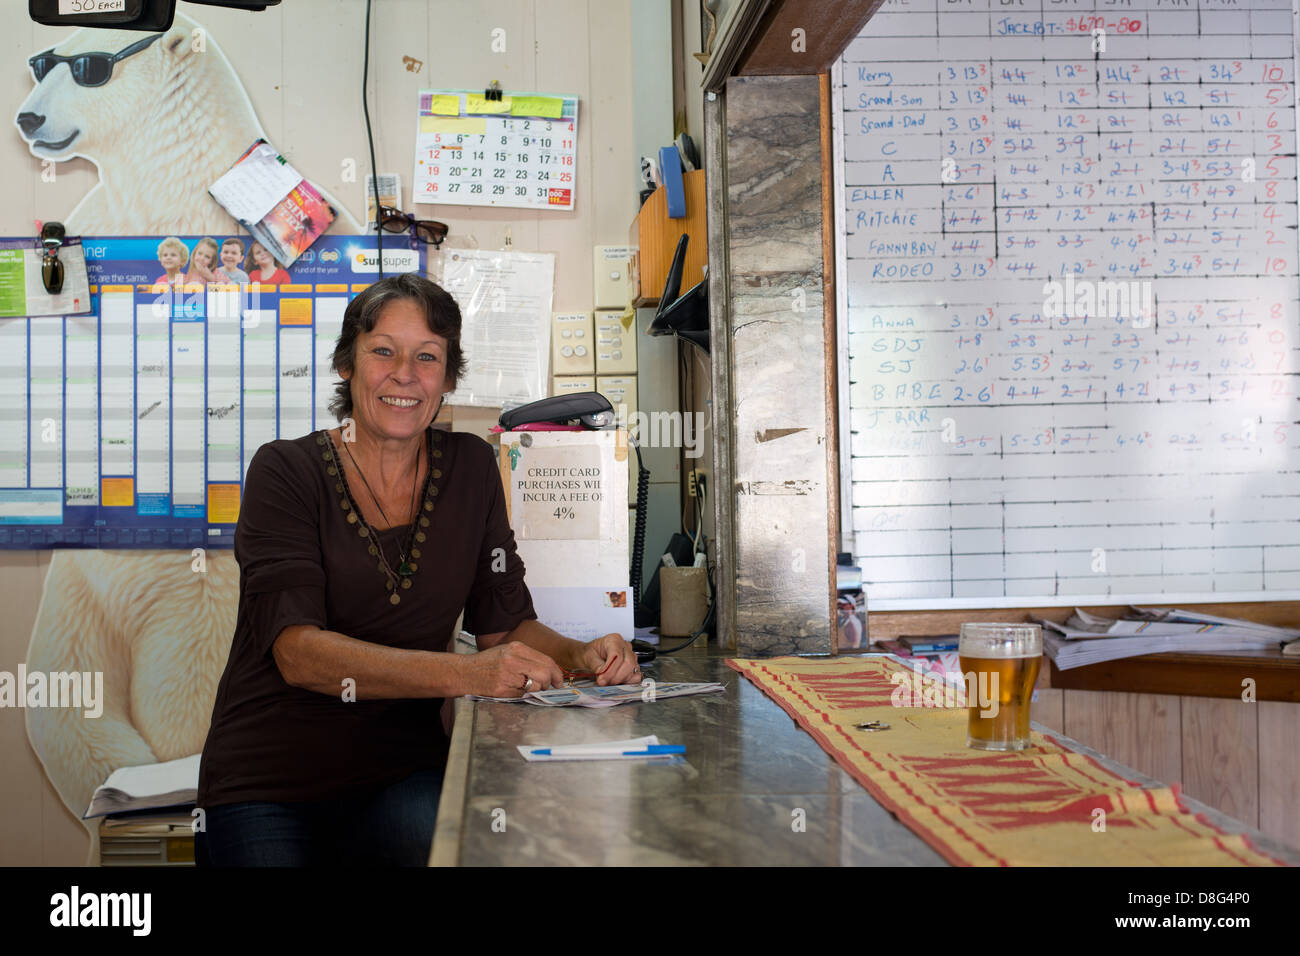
652,750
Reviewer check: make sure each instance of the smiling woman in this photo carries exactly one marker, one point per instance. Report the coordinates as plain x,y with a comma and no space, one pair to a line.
416,307
358,548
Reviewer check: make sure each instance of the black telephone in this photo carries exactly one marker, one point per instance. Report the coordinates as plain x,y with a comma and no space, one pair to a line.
591,409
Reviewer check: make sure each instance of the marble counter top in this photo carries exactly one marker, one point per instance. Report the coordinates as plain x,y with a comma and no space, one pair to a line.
748,774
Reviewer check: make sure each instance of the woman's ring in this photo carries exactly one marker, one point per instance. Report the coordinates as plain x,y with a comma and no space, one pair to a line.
528,684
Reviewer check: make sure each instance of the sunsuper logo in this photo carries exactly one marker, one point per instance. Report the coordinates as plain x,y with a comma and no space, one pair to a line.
395,260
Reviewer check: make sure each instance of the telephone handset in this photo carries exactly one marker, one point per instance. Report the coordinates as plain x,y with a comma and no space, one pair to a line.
591,409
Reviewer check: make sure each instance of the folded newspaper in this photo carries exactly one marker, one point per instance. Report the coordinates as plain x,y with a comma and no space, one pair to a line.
589,694
1089,639
145,787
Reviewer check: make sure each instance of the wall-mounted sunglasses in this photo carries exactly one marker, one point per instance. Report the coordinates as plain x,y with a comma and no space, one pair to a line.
88,69
426,230
52,236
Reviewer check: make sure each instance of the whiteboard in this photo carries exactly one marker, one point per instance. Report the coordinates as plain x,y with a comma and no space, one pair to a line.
1068,286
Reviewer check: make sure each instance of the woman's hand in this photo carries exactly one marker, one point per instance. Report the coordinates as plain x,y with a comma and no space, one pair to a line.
612,660
505,670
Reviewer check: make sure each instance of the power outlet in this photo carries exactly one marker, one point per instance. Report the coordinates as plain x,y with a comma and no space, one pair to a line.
691,483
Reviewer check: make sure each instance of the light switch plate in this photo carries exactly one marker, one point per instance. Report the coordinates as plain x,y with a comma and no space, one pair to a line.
621,391
573,344
611,285
615,342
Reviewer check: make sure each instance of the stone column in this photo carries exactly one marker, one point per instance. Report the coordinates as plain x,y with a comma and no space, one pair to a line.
771,371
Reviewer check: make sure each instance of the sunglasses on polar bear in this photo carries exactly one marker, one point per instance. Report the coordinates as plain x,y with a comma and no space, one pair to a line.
88,69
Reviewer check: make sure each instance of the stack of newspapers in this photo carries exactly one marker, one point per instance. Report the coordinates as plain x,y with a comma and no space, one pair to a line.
149,786
1089,639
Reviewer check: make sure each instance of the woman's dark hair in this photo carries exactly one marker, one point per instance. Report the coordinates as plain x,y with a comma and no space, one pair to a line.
440,311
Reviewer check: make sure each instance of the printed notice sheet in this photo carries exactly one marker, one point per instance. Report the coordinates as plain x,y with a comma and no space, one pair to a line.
505,304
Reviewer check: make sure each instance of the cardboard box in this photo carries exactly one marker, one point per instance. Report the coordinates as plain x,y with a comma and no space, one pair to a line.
566,494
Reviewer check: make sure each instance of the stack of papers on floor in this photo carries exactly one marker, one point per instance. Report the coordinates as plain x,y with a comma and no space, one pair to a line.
589,694
1088,639
168,784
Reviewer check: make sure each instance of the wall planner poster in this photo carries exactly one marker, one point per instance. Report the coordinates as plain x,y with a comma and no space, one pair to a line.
133,426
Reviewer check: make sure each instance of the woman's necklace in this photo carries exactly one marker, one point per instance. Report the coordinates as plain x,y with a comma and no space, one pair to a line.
403,568
419,525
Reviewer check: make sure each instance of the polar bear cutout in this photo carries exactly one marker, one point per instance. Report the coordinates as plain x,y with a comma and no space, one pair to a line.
160,631
169,122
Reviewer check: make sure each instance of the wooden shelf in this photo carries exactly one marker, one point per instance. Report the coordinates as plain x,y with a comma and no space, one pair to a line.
1188,675
1192,675
654,236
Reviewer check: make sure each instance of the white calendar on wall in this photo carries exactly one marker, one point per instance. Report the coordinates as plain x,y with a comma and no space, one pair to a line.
518,150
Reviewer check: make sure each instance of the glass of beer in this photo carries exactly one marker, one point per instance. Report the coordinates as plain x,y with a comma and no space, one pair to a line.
1000,663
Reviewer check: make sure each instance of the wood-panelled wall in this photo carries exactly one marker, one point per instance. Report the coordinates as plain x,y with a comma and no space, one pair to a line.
1238,757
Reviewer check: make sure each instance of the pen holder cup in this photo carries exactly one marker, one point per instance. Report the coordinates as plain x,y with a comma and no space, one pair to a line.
683,600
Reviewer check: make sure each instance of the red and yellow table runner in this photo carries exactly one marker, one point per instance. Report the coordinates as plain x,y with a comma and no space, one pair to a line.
1047,805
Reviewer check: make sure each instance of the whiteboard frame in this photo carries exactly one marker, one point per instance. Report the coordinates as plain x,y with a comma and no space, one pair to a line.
847,535
841,307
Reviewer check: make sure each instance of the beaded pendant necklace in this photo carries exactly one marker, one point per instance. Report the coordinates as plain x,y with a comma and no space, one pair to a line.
407,566
403,567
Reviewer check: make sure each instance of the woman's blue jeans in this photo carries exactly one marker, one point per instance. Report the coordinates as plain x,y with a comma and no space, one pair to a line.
388,827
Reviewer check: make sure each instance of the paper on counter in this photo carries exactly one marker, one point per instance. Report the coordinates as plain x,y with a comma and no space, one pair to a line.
573,751
589,694
1090,639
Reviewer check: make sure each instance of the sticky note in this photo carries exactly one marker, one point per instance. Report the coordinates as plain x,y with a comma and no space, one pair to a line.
478,103
466,124
295,311
549,107
223,503
117,492
444,104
